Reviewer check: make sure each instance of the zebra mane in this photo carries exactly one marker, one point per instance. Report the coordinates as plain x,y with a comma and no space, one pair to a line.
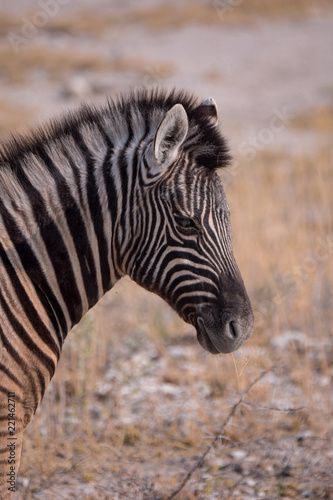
204,141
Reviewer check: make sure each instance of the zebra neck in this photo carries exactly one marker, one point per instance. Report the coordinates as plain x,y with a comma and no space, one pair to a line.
67,222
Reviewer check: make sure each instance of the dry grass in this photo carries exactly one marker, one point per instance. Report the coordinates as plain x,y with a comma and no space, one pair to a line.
19,67
242,11
170,15
14,117
165,16
318,120
8,23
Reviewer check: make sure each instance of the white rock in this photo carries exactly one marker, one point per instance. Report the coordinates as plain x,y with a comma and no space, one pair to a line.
238,454
78,86
290,337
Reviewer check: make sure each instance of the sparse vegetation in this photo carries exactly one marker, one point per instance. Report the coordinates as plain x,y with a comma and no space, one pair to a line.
19,67
317,120
13,116
172,15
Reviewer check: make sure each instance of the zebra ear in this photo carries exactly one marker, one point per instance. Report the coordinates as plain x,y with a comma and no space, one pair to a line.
170,135
208,108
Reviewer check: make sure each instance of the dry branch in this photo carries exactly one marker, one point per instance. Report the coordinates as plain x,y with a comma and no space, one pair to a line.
217,436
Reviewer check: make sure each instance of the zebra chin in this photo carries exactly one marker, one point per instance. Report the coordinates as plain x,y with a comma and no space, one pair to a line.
225,335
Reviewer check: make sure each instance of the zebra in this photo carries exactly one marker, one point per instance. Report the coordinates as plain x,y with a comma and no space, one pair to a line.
128,187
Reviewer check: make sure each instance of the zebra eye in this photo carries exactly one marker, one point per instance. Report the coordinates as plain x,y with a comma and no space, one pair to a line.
186,224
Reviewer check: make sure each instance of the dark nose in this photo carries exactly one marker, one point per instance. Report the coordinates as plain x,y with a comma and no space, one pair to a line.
226,324
220,333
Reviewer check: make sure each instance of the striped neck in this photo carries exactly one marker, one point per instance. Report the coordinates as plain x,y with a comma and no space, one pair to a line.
64,217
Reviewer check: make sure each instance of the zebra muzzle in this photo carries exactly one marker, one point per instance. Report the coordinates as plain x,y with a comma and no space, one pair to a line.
225,335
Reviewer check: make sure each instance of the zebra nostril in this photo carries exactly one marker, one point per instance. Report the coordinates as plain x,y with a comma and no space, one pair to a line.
234,330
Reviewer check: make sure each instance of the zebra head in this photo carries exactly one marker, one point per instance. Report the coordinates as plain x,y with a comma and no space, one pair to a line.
182,249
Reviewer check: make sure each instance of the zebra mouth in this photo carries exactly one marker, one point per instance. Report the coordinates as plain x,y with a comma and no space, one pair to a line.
203,337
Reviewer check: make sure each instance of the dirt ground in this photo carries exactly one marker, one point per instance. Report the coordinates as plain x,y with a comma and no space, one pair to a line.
136,404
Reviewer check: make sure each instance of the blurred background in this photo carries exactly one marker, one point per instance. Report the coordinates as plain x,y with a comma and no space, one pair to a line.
135,400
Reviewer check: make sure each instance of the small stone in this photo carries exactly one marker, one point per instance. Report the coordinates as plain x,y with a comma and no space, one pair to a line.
300,438
25,482
78,86
220,463
103,389
285,472
290,337
238,468
111,375
251,482
238,454
154,355
95,413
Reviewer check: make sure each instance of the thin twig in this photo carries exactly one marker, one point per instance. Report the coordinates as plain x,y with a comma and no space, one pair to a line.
217,436
274,408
